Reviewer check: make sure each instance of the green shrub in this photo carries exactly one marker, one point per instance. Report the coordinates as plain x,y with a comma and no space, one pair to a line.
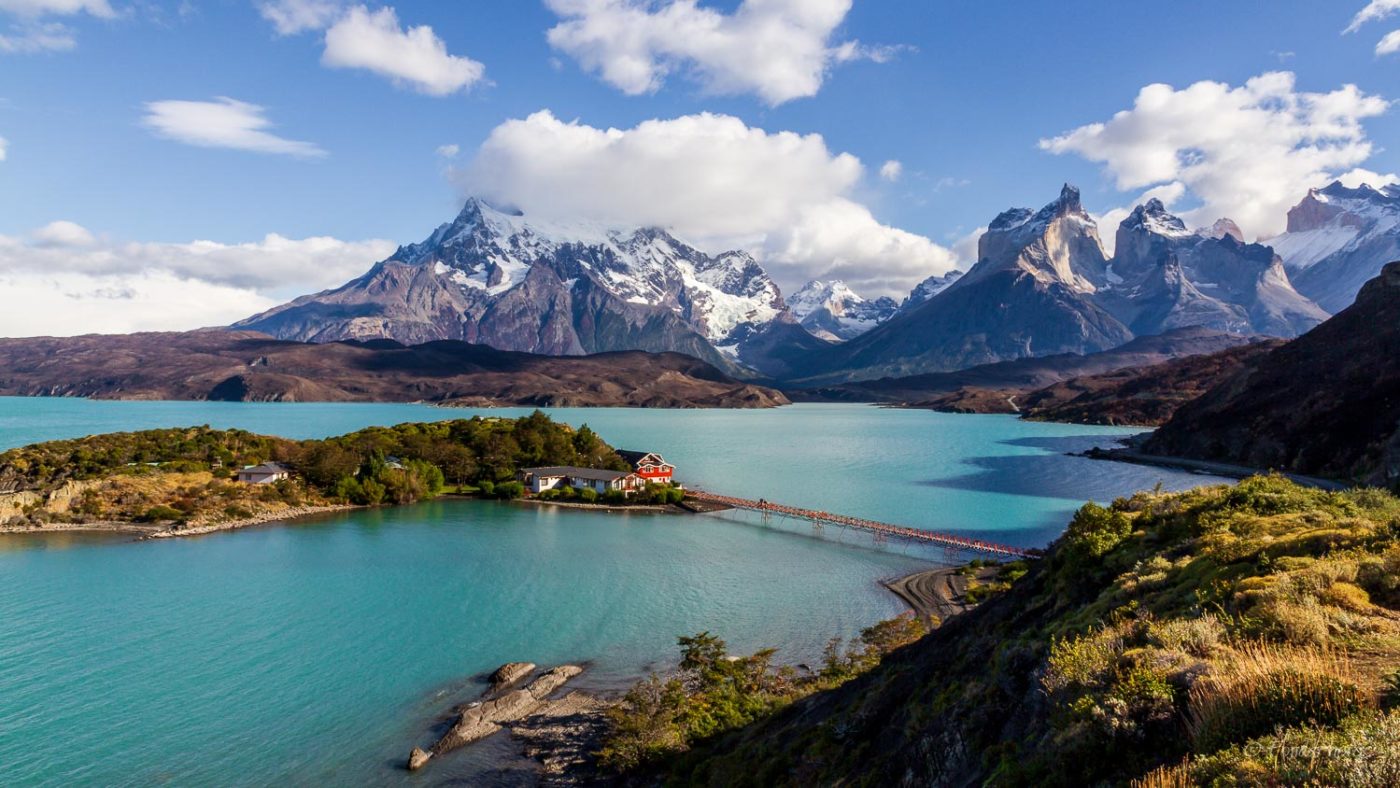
509,491
162,513
1363,753
488,488
588,495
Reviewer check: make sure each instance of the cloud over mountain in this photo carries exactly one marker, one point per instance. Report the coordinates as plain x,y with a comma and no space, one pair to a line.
1244,152
714,181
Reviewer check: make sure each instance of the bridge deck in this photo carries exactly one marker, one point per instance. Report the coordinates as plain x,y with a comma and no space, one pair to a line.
884,529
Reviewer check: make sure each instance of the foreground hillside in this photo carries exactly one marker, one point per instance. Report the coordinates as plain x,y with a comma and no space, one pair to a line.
1245,635
253,367
1326,404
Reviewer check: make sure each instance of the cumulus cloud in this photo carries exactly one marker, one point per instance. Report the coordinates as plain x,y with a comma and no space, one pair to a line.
1390,44
63,279
222,123
449,151
290,17
415,57
891,170
712,180
1247,153
4,148
778,50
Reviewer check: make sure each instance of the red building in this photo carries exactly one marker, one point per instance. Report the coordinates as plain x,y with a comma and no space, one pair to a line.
649,466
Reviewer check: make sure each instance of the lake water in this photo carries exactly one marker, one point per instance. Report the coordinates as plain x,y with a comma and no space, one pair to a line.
321,653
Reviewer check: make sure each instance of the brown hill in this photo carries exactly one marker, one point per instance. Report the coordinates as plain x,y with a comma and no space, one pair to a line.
249,366
1145,396
994,382
1325,404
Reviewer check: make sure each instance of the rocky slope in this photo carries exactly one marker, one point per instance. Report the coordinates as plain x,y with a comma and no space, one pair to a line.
1325,404
1338,239
1043,285
929,288
497,278
833,311
1165,276
248,366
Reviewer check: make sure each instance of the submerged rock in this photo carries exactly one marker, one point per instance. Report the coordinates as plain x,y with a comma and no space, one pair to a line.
418,759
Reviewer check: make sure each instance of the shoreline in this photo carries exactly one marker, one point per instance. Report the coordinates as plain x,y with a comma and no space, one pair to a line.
1222,469
157,531
601,507
936,595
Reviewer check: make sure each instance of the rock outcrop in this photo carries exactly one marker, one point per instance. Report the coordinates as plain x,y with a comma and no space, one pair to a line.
482,719
1338,239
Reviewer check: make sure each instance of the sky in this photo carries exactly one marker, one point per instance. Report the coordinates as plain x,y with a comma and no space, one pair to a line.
169,164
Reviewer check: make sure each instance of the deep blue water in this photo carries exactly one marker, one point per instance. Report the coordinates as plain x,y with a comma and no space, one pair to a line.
320,653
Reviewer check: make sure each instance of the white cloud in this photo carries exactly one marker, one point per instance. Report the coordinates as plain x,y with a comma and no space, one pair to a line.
4,148
65,280
891,170
1377,10
416,56
1374,10
35,8
777,49
222,123
64,234
713,181
449,151
290,17
73,304
1390,44
1247,152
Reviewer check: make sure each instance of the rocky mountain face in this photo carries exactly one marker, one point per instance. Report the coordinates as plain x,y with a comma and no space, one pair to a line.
495,277
1030,294
833,311
1325,404
1164,276
1043,285
929,288
1338,239
246,366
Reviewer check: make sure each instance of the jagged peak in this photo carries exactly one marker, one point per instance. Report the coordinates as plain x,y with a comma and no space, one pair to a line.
1152,216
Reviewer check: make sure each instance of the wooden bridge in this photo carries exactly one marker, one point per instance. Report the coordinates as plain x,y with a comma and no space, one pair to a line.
881,530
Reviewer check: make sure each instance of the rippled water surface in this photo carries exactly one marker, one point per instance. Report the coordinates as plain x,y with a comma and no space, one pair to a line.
320,653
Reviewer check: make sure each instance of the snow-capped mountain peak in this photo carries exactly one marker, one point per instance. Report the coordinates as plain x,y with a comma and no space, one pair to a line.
832,310
1338,238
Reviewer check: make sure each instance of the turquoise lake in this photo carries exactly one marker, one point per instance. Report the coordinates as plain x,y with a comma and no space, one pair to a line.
319,653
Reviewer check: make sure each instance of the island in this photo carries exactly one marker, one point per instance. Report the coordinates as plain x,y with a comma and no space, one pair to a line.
184,481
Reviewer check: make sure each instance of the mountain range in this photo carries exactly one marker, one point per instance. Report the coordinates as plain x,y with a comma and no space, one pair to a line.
1042,285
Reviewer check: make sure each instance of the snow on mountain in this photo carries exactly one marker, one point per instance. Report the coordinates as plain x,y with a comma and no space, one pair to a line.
831,310
498,277
1338,239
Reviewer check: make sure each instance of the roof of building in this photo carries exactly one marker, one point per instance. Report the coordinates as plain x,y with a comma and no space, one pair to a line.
267,467
597,474
635,457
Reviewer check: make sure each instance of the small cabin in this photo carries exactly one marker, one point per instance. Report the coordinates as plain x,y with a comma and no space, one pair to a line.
649,465
267,473
537,480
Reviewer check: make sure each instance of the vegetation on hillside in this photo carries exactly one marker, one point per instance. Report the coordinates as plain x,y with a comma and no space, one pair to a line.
1233,635
184,475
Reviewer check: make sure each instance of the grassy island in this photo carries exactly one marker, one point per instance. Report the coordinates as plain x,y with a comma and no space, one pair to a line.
182,480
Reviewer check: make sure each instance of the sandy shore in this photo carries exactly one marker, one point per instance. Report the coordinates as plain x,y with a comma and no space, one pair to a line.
596,507
937,594
164,531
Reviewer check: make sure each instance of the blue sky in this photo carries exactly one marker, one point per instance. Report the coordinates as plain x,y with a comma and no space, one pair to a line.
959,93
